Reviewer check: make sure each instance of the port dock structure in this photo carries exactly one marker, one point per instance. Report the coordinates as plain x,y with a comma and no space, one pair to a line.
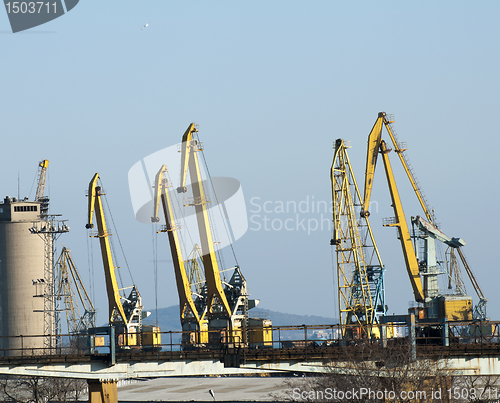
467,349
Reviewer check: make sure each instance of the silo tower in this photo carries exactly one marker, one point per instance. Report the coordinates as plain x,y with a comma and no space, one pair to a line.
22,277
27,301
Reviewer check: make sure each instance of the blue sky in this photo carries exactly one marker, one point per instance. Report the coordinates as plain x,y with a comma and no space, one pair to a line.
271,85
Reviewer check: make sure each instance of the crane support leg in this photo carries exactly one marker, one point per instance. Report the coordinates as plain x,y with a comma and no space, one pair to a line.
102,391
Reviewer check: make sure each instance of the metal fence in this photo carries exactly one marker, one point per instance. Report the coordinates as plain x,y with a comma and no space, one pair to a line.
104,341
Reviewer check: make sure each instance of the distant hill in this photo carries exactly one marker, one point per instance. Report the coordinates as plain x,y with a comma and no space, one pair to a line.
289,319
168,318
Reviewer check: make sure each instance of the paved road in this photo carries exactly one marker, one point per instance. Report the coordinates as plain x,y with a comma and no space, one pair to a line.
196,389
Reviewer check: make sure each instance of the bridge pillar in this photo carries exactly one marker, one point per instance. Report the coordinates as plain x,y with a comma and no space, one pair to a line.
102,391
446,329
413,336
383,335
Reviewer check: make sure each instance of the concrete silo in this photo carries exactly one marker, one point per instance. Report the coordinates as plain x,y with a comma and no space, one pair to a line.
23,276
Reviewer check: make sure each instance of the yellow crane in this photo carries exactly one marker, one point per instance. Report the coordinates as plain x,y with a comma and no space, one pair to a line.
404,233
192,313
227,303
374,141
360,272
40,190
217,304
126,317
439,306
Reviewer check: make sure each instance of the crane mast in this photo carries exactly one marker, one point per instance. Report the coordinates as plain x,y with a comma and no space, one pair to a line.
404,233
40,189
67,275
126,317
226,303
95,204
360,272
437,304
192,313
217,304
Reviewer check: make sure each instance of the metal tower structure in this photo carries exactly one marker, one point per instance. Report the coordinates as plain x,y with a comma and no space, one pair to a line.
360,272
40,190
194,268
49,229
427,264
68,286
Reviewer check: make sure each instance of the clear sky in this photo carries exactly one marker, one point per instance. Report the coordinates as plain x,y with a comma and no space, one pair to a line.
271,85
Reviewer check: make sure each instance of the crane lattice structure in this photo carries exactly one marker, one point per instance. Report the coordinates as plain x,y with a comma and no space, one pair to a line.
68,286
194,268
399,149
429,232
40,190
49,229
360,272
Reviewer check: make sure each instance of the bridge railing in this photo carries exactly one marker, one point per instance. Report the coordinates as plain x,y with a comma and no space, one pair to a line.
449,334
39,345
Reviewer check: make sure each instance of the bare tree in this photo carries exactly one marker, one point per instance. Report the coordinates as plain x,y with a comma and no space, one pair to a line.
369,372
28,389
480,389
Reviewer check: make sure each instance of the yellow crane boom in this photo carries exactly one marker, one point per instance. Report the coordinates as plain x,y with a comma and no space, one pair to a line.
95,205
189,161
42,175
428,265
374,140
188,309
404,233
40,189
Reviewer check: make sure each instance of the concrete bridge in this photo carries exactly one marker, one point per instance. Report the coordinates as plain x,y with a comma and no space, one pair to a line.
460,348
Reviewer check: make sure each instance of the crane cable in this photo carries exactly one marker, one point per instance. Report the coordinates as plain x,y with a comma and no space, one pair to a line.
111,242
334,284
118,237
213,228
48,183
32,185
182,235
90,262
183,218
154,234
219,206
